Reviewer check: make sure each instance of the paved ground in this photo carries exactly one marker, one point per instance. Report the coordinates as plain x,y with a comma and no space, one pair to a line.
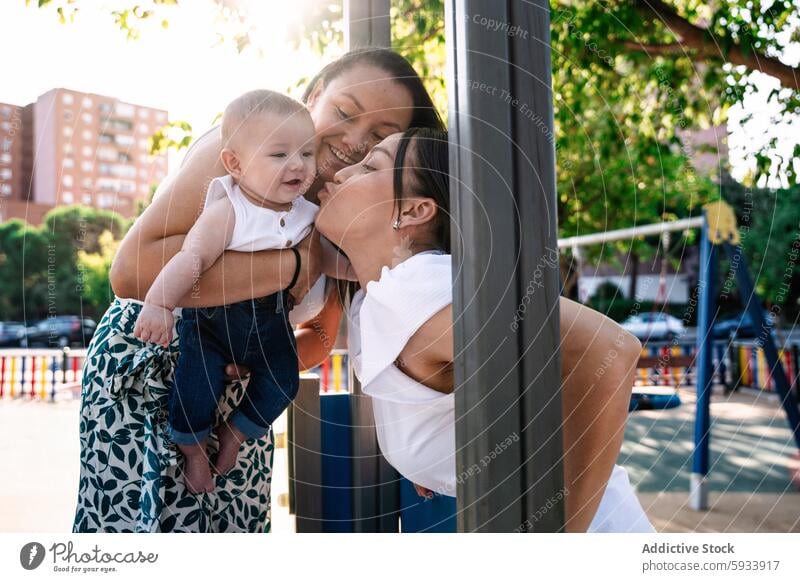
751,450
751,456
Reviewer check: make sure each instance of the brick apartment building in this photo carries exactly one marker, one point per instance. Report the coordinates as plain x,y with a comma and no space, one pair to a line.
76,148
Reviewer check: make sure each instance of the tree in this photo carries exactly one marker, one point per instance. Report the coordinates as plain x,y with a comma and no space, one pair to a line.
94,269
60,267
769,222
23,269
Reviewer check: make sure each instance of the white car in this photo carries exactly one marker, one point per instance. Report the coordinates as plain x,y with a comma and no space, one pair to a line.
654,326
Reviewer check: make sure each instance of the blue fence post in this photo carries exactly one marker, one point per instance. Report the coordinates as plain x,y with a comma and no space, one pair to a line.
53,368
698,490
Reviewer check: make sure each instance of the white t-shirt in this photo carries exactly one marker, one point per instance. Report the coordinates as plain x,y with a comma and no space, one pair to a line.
258,228
415,424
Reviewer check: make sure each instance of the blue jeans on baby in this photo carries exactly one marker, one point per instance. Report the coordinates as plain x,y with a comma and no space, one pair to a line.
255,333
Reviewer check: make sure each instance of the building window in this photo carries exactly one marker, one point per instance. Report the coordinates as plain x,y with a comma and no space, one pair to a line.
124,110
67,181
67,198
67,131
86,103
87,134
87,117
144,144
68,115
5,158
7,143
87,151
144,113
87,183
105,138
5,189
87,199
6,110
67,99
161,116
5,174
87,166
127,187
5,126
145,129
68,149
68,163
124,140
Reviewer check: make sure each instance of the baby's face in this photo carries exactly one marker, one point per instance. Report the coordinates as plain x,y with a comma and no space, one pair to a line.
276,154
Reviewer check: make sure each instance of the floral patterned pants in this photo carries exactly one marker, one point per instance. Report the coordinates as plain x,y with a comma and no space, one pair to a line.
131,474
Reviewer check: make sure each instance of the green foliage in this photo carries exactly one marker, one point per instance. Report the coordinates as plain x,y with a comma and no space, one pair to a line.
769,226
60,267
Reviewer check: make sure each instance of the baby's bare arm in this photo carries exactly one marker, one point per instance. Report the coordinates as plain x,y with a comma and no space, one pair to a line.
204,244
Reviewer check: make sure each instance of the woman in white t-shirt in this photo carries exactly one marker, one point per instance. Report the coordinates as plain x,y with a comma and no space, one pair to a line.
389,215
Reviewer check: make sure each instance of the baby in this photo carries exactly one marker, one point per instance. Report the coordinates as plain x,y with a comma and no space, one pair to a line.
268,152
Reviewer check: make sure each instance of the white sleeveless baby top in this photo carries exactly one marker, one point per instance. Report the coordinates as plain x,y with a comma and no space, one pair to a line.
258,228
415,424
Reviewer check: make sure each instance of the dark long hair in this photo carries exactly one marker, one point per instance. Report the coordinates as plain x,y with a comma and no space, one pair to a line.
428,168
396,67
424,114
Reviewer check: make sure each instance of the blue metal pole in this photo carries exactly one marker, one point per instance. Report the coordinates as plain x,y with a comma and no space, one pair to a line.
766,340
698,492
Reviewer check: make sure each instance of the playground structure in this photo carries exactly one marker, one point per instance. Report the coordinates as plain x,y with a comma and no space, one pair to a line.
761,359
40,374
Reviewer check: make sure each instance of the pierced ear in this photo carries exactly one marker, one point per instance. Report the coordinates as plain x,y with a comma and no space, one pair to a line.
231,162
418,211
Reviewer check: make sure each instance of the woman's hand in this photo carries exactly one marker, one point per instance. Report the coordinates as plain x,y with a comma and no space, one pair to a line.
423,491
310,265
236,372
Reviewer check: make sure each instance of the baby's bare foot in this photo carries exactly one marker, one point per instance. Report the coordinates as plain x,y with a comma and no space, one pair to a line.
230,439
196,471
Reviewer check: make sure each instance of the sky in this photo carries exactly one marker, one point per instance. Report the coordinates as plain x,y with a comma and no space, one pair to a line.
178,69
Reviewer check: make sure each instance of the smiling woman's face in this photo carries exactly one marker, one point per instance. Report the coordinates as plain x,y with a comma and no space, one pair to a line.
360,202
354,112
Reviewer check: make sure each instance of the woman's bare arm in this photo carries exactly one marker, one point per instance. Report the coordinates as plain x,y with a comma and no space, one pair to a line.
158,235
316,338
598,364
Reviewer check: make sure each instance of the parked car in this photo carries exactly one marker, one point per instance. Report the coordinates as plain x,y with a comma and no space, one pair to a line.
11,333
60,331
740,326
654,326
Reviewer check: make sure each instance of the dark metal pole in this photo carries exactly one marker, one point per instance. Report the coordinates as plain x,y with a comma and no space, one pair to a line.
505,264
367,23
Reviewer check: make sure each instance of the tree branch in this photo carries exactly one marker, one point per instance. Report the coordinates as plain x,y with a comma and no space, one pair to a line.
703,45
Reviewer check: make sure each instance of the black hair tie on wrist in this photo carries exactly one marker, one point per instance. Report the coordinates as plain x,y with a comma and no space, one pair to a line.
296,268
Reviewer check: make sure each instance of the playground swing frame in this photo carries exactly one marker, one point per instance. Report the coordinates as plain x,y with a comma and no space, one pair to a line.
718,233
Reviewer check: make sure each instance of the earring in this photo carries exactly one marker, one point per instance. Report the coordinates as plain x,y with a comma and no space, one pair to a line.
396,224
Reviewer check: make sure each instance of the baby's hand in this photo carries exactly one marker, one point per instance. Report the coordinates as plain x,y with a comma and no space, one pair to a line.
154,324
